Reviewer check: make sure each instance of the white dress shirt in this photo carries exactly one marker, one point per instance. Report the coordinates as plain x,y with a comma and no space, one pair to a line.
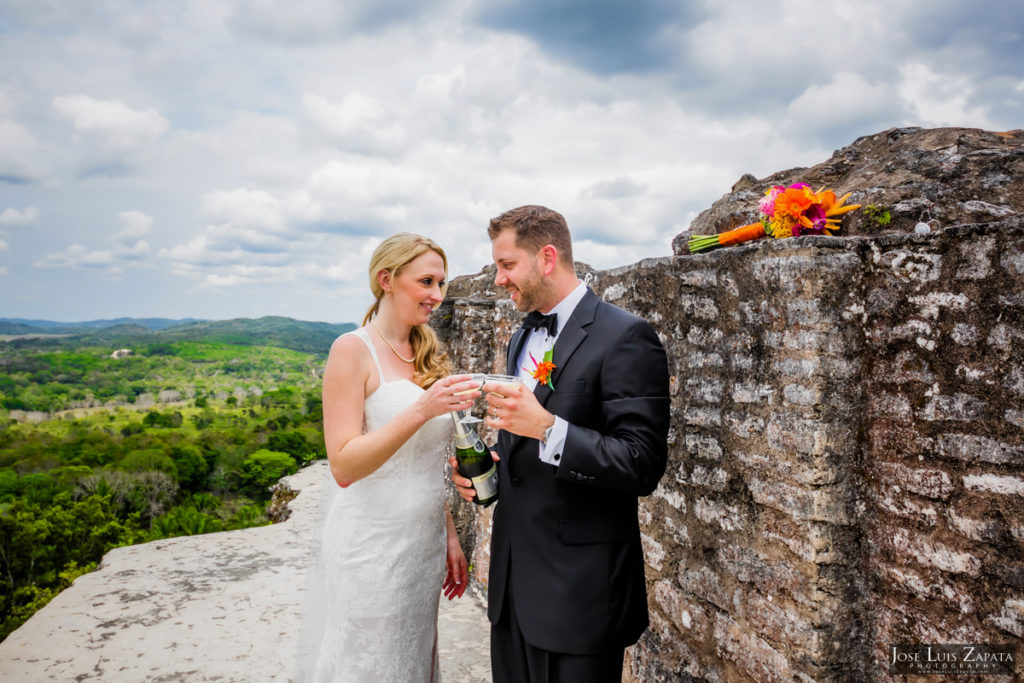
537,343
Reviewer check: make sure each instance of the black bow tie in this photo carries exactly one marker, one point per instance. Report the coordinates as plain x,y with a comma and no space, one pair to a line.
538,321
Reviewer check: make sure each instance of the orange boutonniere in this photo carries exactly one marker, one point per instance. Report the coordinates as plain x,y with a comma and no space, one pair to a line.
542,370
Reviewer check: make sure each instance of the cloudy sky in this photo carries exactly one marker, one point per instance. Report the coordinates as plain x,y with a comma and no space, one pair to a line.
239,158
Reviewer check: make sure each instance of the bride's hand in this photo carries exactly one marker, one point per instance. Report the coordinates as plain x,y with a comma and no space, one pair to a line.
457,577
454,392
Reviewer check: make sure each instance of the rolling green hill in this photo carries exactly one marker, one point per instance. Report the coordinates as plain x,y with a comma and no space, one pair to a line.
38,326
288,333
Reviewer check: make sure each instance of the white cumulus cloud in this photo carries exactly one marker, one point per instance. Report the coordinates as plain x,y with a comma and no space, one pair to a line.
358,122
77,256
940,99
112,121
13,217
127,241
134,224
846,99
18,154
255,210
132,251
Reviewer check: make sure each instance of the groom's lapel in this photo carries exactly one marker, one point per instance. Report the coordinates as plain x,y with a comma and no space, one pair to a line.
515,347
569,339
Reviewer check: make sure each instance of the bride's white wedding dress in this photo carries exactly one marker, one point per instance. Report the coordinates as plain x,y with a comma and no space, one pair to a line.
383,554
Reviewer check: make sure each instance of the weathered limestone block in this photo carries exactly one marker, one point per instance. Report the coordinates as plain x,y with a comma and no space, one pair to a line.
942,450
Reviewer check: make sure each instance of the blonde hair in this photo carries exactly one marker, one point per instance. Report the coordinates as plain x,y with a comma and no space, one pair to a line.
430,362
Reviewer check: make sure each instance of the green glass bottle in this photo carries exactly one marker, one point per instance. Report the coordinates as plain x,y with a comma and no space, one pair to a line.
475,461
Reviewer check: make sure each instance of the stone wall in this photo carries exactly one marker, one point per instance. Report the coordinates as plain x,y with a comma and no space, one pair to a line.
846,454
943,444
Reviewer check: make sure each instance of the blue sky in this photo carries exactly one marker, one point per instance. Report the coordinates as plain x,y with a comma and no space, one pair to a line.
244,157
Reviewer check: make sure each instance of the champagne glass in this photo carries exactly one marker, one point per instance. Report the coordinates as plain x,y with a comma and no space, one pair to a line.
478,377
509,384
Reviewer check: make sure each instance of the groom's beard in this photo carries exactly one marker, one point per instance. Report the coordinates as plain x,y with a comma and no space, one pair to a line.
534,291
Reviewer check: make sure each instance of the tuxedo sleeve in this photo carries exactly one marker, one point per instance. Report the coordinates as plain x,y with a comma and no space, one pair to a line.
625,446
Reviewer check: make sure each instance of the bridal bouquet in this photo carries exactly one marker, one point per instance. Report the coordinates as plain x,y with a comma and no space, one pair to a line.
785,212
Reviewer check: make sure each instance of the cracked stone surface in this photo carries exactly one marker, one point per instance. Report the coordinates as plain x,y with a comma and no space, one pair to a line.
216,607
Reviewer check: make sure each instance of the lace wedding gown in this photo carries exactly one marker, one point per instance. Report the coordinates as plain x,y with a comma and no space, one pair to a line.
383,554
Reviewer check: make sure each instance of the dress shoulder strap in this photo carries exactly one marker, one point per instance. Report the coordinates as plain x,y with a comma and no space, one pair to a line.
365,337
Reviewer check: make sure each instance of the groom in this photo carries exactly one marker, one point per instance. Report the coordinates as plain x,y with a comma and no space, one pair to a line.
577,448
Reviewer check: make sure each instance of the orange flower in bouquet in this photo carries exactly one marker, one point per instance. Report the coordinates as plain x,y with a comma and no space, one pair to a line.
785,212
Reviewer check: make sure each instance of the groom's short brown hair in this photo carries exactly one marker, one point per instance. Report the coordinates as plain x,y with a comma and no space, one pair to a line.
536,226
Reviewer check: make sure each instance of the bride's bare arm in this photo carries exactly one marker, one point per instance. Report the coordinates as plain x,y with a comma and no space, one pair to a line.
457,575
353,455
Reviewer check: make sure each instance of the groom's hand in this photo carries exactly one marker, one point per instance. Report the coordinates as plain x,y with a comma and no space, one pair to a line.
464,486
519,413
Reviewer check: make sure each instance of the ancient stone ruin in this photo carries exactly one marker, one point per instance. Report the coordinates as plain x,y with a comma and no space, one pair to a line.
846,463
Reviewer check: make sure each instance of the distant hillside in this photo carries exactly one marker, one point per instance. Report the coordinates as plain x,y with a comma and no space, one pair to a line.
54,327
20,328
288,333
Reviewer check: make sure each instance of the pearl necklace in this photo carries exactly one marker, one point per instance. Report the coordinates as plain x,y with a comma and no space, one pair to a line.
392,346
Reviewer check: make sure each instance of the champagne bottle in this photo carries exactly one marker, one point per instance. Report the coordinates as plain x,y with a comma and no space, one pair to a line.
475,461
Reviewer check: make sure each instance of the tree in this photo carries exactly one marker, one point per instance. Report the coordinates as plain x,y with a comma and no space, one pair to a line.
185,521
155,419
263,468
36,488
146,494
283,397
248,516
132,428
315,407
293,443
148,459
8,484
190,467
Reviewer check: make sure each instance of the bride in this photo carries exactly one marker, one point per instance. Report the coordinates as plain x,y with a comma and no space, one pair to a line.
389,546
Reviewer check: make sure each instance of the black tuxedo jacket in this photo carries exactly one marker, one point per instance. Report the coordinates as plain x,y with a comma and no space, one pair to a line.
566,539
